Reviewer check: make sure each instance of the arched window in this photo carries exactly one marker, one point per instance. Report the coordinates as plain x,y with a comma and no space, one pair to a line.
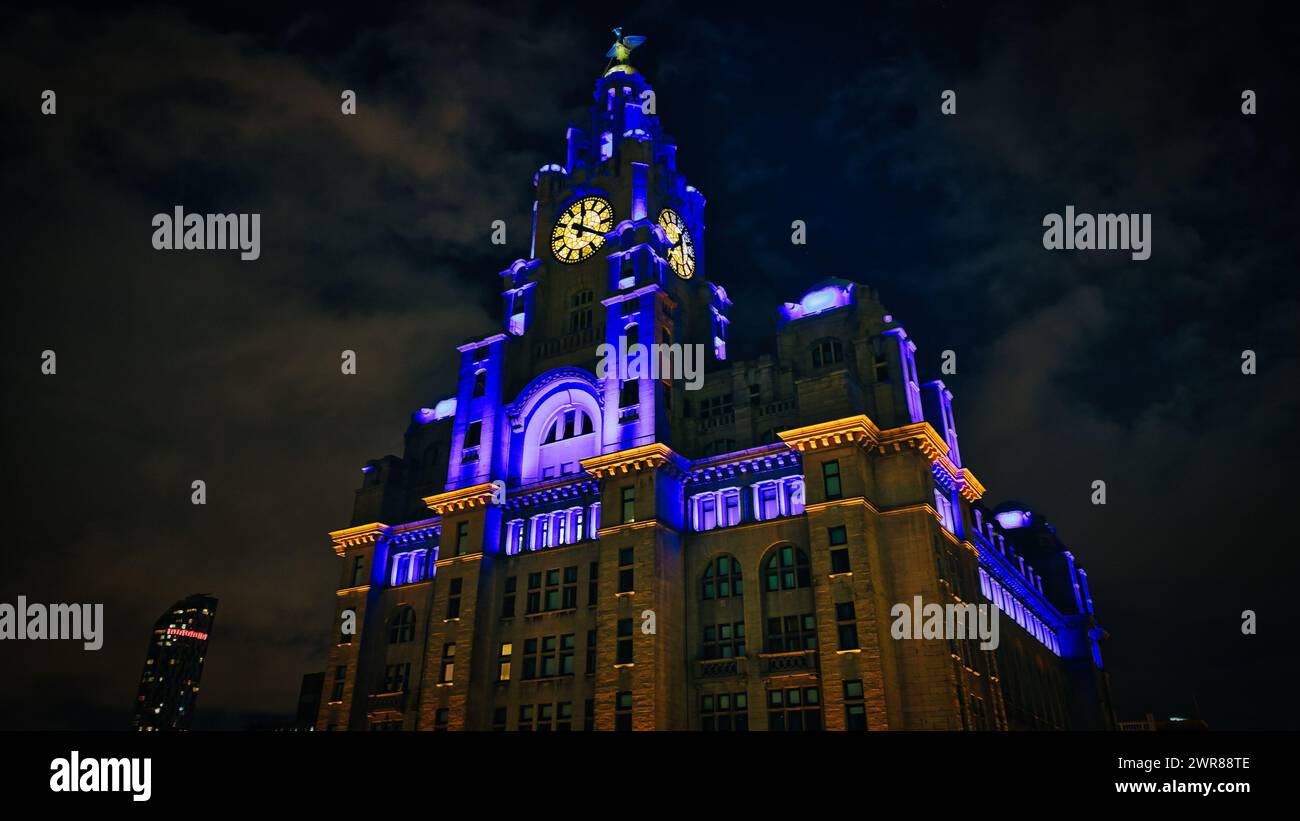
566,424
722,579
786,569
401,628
827,352
480,383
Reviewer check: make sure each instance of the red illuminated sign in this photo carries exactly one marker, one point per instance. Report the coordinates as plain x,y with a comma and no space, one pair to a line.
189,634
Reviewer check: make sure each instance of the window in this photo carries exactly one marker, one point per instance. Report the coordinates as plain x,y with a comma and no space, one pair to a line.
628,498
624,654
831,478
625,570
838,535
530,658
755,394
795,708
623,712
503,661
473,435
589,714
564,716
549,666
790,634
827,352
396,676
462,537
534,600
722,579
480,384
569,593
340,678
508,601
441,717
855,708
786,569
591,652
579,311
730,506
551,593
526,718
593,585
716,406
706,511
453,600
516,536
358,571
766,501
499,719
401,628
840,561
724,641
567,424
629,394
724,712
448,662
846,625
567,647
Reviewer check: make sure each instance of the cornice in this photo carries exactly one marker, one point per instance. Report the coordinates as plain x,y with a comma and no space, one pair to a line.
634,460
857,430
358,536
465,498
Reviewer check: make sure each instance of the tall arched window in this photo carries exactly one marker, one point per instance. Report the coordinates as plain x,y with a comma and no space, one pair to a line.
480,383
722,579
401,628
566,440
786,569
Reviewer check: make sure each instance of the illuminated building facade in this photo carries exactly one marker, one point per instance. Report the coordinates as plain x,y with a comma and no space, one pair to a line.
169,685
564,549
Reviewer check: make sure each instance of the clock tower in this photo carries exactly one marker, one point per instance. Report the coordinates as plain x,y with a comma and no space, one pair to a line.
617,257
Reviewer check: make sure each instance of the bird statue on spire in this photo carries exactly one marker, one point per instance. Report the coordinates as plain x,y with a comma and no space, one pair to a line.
622,49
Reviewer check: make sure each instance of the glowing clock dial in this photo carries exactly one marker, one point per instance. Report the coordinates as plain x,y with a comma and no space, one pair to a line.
681,248
581,229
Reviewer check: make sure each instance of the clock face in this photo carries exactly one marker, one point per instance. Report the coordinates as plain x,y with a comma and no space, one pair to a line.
581,229
681,250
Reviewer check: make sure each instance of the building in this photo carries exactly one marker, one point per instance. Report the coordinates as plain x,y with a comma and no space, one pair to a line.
566,547
309,699
169,685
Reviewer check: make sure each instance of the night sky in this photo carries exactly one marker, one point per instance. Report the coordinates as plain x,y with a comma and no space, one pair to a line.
1071,366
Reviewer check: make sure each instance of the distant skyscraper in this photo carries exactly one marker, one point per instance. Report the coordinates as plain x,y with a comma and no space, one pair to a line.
169,685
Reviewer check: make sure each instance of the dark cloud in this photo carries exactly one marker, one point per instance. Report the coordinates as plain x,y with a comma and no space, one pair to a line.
1072,367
